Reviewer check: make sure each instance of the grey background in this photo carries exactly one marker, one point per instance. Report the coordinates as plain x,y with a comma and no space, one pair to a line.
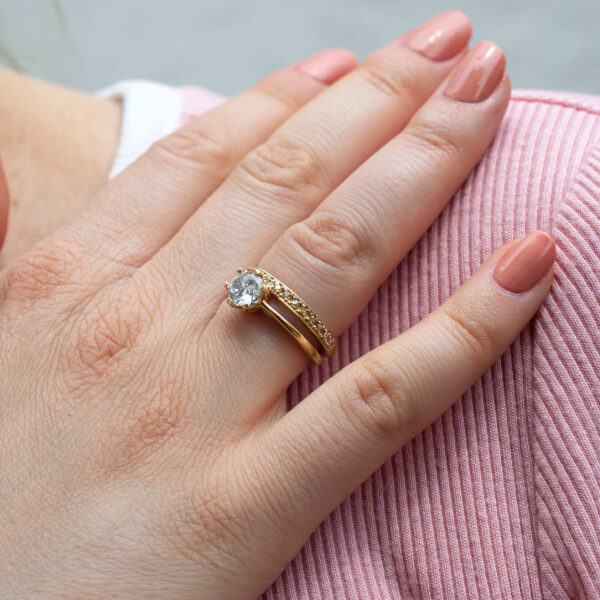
228,44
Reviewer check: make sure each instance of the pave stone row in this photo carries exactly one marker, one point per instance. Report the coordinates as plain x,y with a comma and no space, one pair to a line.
299,308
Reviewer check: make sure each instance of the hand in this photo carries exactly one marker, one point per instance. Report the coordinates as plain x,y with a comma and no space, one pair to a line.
144,443
57,146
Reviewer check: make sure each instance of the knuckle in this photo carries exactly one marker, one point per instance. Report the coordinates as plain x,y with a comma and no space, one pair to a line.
278,86
330,239
107,333
284,166
49,267
437,139
393,80
201,143
381,401
474,335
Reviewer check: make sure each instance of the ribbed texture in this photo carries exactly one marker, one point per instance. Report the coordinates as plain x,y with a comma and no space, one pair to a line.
500,497
567,394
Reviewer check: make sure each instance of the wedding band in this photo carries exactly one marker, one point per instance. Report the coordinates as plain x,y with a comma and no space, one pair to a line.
250,290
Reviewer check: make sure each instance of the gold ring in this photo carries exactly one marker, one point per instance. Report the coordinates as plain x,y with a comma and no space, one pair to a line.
250,290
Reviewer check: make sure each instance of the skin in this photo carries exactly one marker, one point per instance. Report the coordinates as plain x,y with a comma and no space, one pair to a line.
146,452
56,148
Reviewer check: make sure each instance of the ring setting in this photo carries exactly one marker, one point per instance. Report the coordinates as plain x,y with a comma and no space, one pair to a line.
249,291
246,291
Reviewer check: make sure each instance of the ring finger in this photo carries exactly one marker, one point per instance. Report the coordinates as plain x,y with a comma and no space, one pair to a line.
337,257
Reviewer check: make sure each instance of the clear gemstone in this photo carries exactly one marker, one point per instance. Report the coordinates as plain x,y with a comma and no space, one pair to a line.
312,318
245,290
319,326
304,310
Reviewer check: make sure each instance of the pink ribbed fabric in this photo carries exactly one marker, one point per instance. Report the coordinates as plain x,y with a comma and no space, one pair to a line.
500,497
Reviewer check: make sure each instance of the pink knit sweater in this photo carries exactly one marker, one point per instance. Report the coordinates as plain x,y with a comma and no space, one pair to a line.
500,497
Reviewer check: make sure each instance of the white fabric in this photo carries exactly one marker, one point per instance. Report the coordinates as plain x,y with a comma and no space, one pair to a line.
150,111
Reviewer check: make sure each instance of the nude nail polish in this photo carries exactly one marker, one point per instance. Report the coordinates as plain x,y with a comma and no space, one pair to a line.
327,66
478,74
442,37
526,263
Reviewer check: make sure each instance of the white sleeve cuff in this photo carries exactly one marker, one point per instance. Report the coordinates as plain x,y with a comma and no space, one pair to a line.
150,111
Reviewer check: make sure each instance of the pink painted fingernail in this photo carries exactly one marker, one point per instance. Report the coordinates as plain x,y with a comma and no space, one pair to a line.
327,66
478,74
442,37
526,263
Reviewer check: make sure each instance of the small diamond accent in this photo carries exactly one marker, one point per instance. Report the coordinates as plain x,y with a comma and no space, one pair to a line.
245,290
312,318
319,326
304,310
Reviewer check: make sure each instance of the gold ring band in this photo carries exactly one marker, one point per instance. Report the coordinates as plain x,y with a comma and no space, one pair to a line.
251,289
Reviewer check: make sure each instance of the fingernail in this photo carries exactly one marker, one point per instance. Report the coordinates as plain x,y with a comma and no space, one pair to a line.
526,263
442,37
327,66
477,74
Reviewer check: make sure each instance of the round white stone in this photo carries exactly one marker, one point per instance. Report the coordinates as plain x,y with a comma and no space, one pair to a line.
245,290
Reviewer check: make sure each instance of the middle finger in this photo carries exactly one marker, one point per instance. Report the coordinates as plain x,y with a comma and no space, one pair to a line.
281,181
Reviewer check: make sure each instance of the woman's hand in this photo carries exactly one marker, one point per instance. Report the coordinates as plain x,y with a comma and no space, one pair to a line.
144,443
